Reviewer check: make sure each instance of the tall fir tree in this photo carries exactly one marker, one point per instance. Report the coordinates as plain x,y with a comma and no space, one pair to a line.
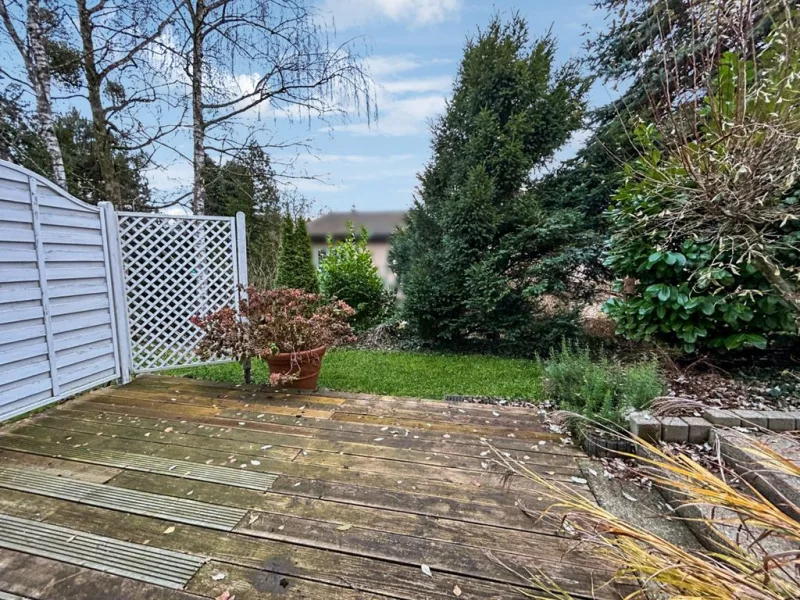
464,257
295,264
308,279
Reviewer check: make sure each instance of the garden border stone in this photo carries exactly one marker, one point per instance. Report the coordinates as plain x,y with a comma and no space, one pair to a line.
721,417
696,430
751,418
674,429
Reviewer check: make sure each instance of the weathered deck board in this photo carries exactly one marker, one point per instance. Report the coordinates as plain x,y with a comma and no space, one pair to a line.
368,489
393,447
284,447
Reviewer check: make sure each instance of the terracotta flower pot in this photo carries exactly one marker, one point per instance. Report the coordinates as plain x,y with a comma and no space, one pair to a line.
304,365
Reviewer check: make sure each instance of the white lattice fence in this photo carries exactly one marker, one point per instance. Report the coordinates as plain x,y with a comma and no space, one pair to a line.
176,267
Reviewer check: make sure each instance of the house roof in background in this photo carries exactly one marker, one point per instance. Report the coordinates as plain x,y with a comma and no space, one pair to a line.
380,225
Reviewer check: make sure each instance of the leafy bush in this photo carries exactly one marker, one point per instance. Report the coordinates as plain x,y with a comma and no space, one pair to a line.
295,263
347,273
599,388
273,322
683,294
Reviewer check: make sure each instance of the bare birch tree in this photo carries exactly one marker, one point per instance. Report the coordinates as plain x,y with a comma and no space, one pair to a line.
32,48
244,56
119,79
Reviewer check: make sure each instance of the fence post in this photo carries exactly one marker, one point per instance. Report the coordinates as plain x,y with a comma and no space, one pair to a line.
118,295
36,224
241,249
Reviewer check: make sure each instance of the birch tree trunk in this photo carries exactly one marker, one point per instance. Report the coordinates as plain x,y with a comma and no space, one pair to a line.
39,75
103,143
37,66
198,122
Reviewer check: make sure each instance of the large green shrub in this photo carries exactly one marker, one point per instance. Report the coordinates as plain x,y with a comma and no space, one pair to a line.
295,264
467,258
680,290
599,388
347,273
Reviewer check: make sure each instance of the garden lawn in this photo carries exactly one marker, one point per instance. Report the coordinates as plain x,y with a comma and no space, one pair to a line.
421,375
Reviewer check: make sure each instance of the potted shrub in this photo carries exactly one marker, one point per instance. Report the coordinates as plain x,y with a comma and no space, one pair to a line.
290,329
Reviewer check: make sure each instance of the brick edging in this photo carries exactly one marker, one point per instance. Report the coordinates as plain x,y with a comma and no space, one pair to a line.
696,430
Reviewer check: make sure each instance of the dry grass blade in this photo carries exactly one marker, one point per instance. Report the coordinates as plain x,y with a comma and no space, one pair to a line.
667,406
743,571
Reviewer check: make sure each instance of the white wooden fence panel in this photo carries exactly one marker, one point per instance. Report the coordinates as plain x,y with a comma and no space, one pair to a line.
58,315
176,267
88,296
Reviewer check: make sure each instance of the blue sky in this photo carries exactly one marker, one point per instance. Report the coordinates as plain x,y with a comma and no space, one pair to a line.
416,46
414,49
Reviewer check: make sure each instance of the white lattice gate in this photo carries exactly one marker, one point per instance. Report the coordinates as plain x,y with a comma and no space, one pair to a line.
176,267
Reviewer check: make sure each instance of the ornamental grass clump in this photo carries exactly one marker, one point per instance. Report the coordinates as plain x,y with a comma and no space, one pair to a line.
272,322
745,564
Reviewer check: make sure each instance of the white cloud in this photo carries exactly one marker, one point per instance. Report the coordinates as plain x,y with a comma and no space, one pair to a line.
175,177
420,85
392,64
408,116
312,186
349,13
364,158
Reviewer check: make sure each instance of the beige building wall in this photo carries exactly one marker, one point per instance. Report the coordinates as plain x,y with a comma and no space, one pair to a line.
380,258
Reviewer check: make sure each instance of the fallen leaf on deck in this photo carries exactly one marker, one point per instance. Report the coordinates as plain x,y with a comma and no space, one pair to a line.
252,519
378,440
169,529
574,479
456,591
384,428
345,527
255,463
168,430
218,576
267,447
495,413
427,570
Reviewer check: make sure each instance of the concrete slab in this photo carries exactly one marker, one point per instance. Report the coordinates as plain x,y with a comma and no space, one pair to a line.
645,508
780,489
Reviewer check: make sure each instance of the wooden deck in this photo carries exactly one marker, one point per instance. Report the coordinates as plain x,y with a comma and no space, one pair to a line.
367,490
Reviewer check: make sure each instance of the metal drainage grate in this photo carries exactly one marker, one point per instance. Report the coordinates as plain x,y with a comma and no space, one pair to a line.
179,510
7,596
152,565
140,462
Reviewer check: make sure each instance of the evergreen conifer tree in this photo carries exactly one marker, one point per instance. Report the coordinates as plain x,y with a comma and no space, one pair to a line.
463,259
295,264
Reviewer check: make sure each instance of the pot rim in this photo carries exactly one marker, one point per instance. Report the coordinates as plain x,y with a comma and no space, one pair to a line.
319,350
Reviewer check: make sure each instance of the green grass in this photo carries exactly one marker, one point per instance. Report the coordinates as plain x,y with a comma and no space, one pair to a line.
421,375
